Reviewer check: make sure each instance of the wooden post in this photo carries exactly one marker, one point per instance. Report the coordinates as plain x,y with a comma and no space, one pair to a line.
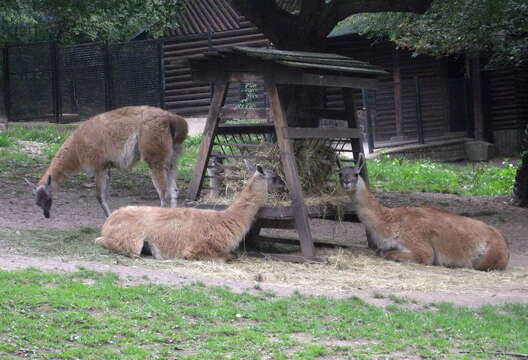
476,89
443,74
419,121
370,130
219,95
396,78
351,114
7,96
302,223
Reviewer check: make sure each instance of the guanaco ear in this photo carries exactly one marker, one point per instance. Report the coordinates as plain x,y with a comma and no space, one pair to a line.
359,163
33,186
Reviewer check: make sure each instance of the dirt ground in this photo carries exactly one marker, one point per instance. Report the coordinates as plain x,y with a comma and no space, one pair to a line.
30,240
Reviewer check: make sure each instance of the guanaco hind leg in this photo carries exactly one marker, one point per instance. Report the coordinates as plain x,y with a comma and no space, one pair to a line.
102,178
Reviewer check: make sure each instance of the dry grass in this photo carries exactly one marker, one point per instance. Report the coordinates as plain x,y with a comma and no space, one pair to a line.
347,268
316,164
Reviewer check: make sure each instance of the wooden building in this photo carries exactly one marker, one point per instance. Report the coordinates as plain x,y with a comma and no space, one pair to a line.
423,98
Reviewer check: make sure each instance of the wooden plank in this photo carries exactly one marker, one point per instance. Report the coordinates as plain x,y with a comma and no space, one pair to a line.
322,133
357,143
325,80
333,68
227,129
476,89
203,73
325,113
219,95
230,112
244,77
302,223
396,76
283,217
289,258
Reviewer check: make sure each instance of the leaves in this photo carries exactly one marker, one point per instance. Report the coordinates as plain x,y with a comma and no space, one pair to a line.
71,21
498,28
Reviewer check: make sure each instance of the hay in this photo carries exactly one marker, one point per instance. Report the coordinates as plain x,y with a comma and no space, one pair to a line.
316,165
353,268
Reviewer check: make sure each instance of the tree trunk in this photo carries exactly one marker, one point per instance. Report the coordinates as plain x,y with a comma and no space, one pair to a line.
520,188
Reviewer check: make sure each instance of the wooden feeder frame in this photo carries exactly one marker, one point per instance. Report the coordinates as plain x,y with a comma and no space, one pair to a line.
285,69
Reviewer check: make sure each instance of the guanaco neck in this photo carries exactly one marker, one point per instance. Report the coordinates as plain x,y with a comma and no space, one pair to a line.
64,164
246,204
369,210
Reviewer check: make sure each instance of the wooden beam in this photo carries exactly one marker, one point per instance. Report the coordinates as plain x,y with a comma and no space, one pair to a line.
230,112
282,217
226,129
476,88
357,142
281,76
302,222
288,258
326,113
300,78
396,78
219,95
321,133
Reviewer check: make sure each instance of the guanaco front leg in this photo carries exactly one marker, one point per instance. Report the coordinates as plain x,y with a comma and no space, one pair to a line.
101,189
408,256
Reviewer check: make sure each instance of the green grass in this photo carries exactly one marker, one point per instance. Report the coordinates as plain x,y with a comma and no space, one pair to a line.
387,173
88,315
53,138
393,174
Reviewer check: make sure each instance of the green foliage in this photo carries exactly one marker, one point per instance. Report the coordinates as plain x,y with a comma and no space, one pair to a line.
496,27
394,174
88,315
78,21
191,147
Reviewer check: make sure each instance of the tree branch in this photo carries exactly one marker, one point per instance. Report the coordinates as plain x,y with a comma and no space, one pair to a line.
273,21
338,10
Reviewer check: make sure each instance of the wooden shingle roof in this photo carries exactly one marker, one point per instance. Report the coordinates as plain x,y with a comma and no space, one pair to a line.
202,16
311,60
241,63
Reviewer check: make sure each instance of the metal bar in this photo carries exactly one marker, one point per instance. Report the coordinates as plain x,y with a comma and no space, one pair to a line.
419,120
55,83
161,74
7,88
109,86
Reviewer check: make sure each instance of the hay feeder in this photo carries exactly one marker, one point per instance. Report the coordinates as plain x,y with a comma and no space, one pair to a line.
290,119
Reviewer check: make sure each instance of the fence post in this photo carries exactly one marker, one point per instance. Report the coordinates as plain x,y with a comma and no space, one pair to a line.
419,120
161,73
55,83
7,88
370,132
108,80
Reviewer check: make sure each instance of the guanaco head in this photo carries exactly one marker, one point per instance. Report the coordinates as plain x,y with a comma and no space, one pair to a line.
348,175
43,195
261,180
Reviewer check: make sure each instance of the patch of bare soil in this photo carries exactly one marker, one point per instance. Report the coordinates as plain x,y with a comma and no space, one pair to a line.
351,271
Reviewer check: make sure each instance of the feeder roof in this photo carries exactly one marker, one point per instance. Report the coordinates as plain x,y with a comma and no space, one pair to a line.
311,60
241,63
293,60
